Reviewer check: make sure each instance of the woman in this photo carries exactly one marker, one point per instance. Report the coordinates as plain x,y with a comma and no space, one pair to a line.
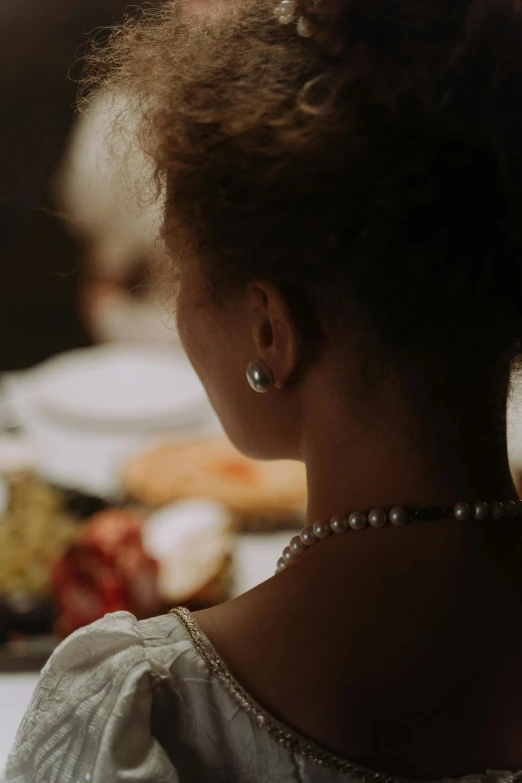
343,188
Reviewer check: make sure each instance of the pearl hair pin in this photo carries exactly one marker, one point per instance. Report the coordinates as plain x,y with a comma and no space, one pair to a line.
285,13
398,516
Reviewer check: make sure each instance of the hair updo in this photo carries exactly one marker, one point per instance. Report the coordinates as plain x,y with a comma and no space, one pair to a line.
372,170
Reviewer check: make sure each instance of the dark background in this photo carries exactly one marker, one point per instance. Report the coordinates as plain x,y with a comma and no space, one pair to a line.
39,270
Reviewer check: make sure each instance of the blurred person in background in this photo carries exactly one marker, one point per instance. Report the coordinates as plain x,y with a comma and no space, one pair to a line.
95,188
39,41
343,188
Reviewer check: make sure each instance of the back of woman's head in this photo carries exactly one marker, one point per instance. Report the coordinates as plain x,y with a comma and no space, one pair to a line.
372,170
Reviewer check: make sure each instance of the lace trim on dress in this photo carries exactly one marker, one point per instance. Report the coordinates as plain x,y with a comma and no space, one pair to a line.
289,738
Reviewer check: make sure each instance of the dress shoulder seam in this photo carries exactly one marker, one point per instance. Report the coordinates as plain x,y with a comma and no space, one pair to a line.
278,731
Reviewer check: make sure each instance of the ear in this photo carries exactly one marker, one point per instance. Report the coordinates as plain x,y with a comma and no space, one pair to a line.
274,331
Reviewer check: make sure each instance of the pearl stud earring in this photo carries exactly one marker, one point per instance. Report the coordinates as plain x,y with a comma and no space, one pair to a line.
259,376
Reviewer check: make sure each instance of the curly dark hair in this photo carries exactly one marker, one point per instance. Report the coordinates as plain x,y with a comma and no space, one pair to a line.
373,170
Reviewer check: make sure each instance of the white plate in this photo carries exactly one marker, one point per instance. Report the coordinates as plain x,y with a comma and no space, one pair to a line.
120,387
85,412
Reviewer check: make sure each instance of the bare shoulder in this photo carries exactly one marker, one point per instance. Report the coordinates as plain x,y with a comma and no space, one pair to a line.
377,656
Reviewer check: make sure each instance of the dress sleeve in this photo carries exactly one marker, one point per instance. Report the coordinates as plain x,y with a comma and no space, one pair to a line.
89,719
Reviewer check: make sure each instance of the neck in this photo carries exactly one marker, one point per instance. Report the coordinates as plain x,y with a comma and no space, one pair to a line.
381,461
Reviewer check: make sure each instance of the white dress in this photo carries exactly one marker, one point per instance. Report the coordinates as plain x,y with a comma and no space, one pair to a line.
151,702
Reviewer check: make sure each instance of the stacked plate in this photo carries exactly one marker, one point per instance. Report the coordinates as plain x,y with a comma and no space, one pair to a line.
86,411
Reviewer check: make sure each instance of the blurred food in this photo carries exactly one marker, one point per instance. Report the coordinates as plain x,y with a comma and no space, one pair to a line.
106,570
4,496
63,566
35,531
193,545
257,493
82,504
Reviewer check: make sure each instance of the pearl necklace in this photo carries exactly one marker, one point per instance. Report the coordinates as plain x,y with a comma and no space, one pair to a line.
398,516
